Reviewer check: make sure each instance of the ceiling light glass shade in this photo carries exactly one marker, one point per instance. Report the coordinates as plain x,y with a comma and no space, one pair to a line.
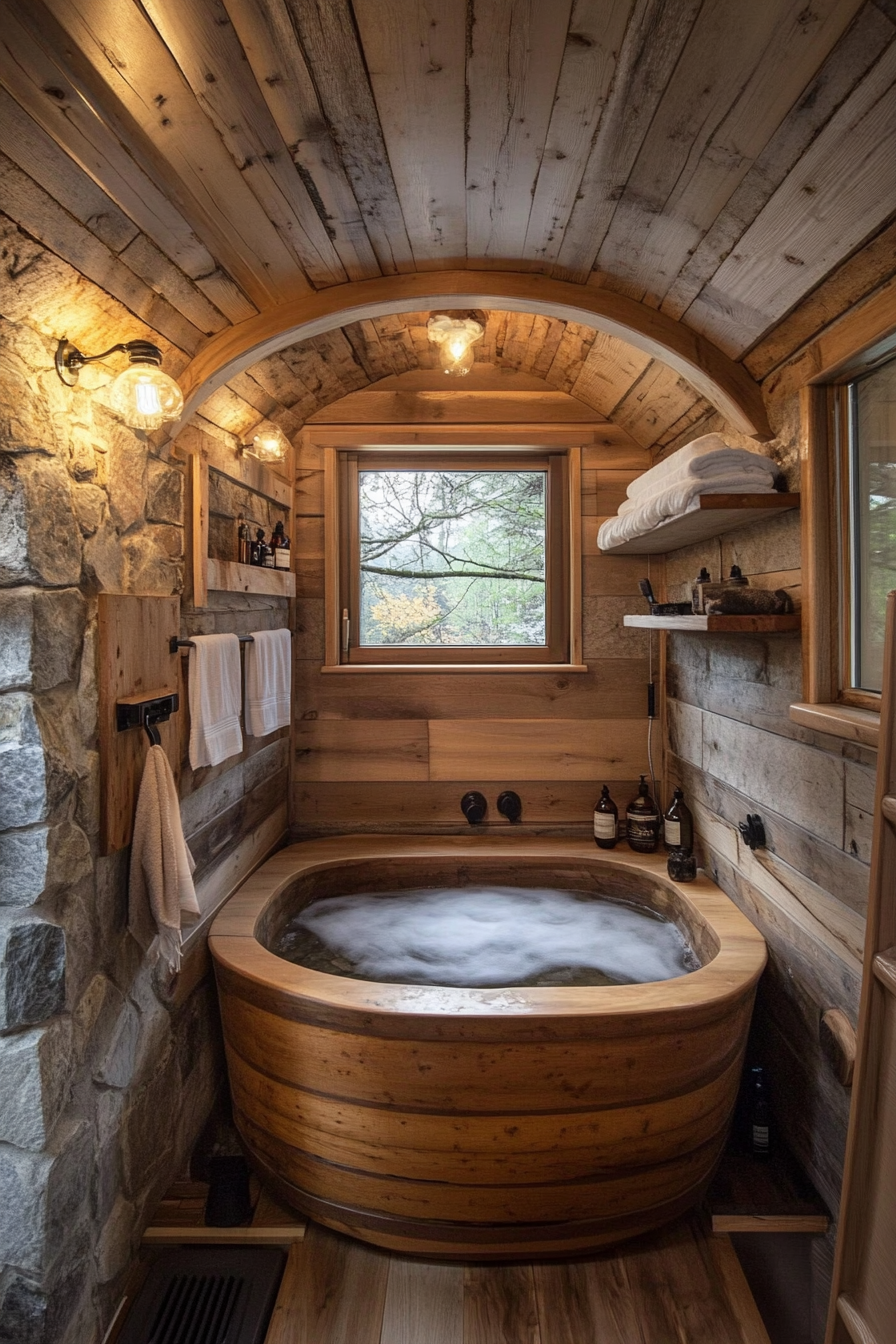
269,445
145,397
455,337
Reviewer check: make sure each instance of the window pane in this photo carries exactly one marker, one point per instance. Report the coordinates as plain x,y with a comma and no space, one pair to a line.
874,518
453,558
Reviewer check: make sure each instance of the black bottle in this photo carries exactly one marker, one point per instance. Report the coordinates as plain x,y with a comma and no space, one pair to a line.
244,543
678,824
606,820
759,1113
280,547
643,821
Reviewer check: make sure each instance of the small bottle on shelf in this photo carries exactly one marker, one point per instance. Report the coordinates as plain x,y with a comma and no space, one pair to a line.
259,548
678,824
244,544
681,865
606,820
280,546
759,1112
642,820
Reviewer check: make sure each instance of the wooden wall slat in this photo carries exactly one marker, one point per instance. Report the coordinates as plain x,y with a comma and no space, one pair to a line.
536,748
384,749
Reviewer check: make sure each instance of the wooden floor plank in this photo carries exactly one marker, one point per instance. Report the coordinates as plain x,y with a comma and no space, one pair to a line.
333,1292
500,1305
581,1301
424,1303
736,1290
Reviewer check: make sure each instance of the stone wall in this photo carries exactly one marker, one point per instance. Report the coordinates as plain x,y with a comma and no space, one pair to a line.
735,751
107,1070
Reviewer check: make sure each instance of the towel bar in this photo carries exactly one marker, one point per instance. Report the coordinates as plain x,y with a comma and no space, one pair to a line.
174,643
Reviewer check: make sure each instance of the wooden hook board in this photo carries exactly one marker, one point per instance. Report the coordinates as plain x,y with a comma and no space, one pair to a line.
134,657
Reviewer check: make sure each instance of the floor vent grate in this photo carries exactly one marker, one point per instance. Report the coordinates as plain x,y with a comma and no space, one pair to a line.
206,1295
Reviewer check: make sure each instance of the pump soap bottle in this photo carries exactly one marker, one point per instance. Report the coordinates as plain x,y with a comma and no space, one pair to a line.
643,821
606,820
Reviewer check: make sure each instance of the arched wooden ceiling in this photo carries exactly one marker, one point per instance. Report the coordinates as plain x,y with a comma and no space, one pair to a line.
203,160
646,398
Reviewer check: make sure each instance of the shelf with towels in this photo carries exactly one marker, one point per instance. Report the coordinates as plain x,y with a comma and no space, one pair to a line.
716,514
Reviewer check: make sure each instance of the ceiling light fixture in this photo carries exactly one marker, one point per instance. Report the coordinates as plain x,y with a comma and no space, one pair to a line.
142,395
455,337
269,445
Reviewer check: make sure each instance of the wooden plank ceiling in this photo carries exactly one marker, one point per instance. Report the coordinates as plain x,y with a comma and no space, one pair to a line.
203,160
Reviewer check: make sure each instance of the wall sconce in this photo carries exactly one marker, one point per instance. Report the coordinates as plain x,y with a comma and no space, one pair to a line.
142,395
455,337
269,445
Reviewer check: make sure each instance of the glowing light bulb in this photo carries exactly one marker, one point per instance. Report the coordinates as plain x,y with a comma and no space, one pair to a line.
269,445
455,337
145,397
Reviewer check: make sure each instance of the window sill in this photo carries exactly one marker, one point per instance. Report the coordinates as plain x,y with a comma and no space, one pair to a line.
467,668
856,725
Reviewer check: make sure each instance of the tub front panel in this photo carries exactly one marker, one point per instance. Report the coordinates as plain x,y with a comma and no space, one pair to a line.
495,1133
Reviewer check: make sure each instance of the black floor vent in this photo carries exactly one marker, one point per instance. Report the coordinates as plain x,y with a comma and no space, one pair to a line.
206,1295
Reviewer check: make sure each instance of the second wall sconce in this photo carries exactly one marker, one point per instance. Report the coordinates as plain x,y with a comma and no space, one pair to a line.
269,445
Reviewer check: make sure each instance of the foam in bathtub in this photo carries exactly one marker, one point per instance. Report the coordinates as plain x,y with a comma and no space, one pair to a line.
487,937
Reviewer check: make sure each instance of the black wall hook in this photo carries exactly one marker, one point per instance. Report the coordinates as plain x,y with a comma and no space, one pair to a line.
753,831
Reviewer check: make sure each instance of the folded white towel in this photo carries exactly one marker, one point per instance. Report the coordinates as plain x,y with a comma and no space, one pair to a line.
704,458
680,499
161,878
267,682
734,482
215,685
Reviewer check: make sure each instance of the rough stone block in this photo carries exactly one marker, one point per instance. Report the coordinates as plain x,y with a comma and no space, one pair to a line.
127,477
23,1313
103,560
154,560
42,637
32,972
90,505
23,774
24,862
117,1240
35,1071
39,537
165,494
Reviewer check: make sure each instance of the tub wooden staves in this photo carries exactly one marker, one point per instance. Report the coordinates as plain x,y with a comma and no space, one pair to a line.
482,1123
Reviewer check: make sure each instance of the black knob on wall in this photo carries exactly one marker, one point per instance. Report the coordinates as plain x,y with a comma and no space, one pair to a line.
510,805
474,807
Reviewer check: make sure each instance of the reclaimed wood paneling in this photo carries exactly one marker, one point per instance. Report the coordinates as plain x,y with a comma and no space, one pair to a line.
536,748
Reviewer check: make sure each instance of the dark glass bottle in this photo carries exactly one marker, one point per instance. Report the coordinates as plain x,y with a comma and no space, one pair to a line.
606,820
681,865
259,548
280,547
759,1113
678,824
244,543
643,821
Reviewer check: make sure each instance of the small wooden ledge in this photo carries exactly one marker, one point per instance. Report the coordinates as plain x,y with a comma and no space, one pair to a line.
755,1194
730,625
226,576
856,725
715,515
178,1220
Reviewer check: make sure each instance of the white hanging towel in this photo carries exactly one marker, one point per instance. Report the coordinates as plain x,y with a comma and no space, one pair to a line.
161,879
214,699
267,682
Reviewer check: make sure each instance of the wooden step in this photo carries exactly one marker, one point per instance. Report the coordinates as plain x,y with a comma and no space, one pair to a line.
754,1194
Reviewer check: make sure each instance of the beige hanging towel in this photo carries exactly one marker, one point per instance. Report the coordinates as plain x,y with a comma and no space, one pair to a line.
161,877
215,689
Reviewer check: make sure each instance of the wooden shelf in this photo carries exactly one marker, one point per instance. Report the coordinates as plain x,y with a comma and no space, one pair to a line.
226,576
716,514
754,1194
731,625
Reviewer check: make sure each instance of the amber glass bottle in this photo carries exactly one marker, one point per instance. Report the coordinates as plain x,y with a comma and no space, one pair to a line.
643,821
606,820
678,824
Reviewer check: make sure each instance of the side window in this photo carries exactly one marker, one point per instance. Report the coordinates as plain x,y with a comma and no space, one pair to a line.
867,431
453,556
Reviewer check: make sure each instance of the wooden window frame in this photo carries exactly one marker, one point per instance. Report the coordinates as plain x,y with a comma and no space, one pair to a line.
509,445
860,343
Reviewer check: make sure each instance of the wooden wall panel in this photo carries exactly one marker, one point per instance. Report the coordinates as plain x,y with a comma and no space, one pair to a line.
536,748
393,750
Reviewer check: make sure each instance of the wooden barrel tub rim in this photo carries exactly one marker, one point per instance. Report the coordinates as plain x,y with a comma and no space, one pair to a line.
727,975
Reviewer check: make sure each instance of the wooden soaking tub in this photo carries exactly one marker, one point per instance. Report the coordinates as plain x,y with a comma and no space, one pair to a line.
482,1123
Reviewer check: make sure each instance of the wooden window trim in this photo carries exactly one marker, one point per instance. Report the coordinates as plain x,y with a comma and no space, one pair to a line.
338,440
829,704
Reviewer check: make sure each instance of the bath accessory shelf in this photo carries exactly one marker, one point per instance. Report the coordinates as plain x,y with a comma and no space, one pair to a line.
716,514
731,625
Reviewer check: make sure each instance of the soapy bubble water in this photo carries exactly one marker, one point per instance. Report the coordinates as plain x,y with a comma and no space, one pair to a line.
486,938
